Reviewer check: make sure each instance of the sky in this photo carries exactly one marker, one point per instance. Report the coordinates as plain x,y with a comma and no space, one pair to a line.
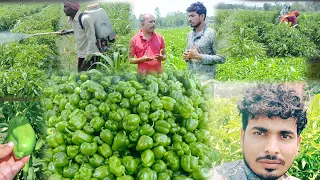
166,6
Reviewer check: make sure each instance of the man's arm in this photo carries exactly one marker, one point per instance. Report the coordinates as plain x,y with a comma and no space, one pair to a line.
212,59
133,59
90,34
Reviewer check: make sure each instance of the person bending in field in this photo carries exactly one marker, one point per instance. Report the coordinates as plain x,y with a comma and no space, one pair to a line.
85,38
273,117
291,18
147,48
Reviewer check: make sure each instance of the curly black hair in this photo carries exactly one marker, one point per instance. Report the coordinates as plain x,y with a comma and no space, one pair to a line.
199,8
273,100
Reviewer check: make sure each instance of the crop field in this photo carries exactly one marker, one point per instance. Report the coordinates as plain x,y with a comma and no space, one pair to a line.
113,123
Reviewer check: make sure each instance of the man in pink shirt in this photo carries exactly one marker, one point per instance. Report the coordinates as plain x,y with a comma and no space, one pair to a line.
147,48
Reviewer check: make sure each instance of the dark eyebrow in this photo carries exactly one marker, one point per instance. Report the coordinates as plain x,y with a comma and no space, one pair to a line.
260,129
286,132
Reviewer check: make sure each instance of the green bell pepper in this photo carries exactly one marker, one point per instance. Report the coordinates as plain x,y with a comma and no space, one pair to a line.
54,140
101,95
136,99
147,158
136,84
196,148
163,176
159,152
126,177
147,173
161,139
106,81
159,166
184,108
116,167
111,125
60,159
88,129
191,124
60,148
97,140
201,173
88,149
144,117
176,138
143,107
189,163
134,136
162,126
60,126
70,170
145,142
168,103
115,97
130,164
202,134
156,104
102,172
125,103
104,108
79,136
163,87
21,133
129,92
120,141
80,158
97,123
189,137
131,122
146,130
172,160
182,178
96,160
53,169
72,150
153,87
105,150
77,122
107,136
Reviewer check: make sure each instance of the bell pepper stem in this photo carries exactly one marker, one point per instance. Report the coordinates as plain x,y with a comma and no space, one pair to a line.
68,130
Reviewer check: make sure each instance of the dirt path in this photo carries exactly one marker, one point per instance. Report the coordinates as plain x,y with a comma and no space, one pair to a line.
66,46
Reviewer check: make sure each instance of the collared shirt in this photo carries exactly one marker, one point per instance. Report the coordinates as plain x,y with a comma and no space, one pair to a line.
204,42
140,46
238,170
85,38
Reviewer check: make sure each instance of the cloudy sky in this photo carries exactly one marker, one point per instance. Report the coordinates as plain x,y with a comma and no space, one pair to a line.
166,6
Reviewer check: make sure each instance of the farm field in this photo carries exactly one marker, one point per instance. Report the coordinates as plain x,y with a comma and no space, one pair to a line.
117,111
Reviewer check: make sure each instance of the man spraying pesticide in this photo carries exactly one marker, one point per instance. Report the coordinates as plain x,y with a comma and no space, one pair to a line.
93,32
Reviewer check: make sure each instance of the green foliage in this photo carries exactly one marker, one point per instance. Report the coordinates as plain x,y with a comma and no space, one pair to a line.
272,69
120,14
283,40
11,13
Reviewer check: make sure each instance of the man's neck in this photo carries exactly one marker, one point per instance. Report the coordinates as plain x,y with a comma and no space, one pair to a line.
200,27
146,35
73,15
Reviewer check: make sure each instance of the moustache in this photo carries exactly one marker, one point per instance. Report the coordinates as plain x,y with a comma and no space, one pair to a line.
275,158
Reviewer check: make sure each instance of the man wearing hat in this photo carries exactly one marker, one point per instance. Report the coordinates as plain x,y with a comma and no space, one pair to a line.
85,38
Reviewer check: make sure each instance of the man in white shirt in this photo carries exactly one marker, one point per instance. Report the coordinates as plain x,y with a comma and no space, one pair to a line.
85,37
